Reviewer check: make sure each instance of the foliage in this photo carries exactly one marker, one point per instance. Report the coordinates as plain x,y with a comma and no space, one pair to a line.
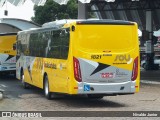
52,11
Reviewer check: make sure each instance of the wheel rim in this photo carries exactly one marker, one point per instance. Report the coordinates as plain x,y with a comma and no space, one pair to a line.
46,87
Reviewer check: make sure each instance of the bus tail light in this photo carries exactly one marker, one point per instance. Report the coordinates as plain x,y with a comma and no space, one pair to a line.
77,69
135,69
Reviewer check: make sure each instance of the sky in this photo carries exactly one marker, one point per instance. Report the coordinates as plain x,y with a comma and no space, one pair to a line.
24,11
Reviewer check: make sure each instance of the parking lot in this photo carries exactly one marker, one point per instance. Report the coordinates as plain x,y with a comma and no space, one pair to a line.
18,99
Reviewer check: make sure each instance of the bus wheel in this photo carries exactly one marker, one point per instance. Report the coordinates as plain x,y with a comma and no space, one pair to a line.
90,96
25,85
46,89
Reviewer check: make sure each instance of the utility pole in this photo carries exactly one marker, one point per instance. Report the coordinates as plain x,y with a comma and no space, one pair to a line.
149,43
82,10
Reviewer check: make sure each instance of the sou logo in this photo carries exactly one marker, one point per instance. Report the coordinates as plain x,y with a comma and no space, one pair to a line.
123,58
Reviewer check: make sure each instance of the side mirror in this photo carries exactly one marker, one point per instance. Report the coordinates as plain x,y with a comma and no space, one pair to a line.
6,12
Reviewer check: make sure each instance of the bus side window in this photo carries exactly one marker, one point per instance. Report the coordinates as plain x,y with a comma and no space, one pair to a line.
58,47
47,43
54,51
19,48
42,45
34,44
65,43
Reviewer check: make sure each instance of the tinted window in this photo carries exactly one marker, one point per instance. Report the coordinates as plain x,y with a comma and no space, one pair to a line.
65,43
54,44
50,44
33,44
22,45
58,47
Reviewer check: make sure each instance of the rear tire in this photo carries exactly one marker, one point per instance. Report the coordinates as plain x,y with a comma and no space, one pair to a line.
90,96
25,85
47,94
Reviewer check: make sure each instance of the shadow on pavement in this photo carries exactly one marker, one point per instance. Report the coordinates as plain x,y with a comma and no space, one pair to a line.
84,102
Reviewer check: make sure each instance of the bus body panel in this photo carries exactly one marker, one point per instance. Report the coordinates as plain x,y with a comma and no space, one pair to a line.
106,68
57,74
7,54
7,62
34,69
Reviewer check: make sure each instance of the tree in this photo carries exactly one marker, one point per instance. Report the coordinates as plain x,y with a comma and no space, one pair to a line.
52,11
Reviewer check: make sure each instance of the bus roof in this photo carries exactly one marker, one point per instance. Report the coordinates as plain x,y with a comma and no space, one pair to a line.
9,33
87,21
60,23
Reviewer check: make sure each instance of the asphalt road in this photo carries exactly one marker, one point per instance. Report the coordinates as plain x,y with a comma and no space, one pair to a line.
16,98
150,75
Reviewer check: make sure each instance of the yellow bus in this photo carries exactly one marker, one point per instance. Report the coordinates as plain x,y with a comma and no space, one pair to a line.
7,54
95,58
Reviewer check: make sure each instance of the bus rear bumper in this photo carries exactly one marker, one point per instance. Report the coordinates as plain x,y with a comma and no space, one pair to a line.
107,88
7,68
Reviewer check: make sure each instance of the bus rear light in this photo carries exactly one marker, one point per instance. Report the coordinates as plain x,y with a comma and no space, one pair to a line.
75,87
135,69
77,69
136,86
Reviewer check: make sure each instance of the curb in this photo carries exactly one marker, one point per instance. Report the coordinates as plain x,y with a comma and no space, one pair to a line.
150,82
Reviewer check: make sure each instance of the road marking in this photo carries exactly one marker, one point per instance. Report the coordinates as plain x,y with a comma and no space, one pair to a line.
2,85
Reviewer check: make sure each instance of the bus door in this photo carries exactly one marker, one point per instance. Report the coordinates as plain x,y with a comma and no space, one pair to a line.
60,49
62,76
38,75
